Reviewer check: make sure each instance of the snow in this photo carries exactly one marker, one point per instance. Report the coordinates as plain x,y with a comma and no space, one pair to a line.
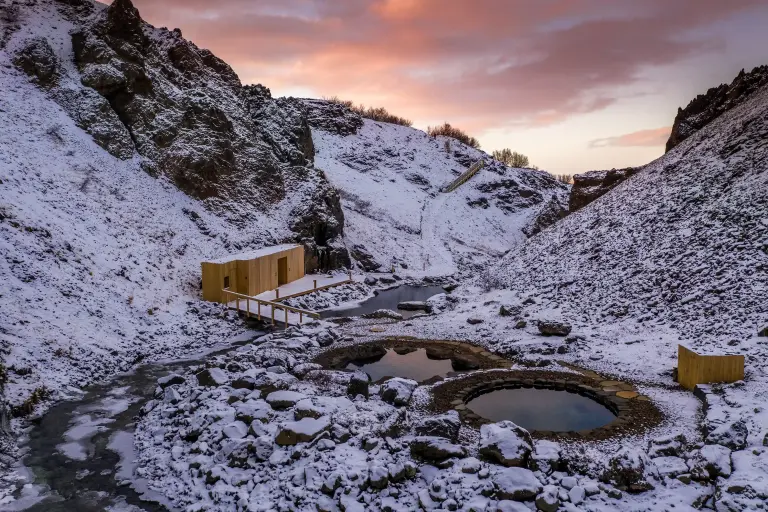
252,255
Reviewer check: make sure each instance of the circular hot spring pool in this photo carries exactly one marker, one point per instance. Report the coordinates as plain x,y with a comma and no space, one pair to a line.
541,409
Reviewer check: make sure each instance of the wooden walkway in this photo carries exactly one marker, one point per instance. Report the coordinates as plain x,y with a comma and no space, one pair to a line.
465,176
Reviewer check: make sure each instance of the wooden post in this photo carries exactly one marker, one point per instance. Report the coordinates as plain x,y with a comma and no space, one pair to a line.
273,315
350,275
277,293
315,282
286,316
237,301
301,316
259,309
248,308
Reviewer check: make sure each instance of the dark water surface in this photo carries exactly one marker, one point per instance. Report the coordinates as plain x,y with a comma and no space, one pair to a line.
414,365
81,452
542,409
388,299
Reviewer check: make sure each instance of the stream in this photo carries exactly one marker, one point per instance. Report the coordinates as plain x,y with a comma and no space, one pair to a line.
80,453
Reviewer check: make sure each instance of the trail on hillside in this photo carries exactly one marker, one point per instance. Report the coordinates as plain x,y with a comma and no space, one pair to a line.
437,259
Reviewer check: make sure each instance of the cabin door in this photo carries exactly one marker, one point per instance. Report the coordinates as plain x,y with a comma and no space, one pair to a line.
282,271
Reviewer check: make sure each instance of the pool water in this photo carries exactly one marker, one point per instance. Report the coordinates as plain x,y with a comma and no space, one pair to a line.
542,409
412,365
388,299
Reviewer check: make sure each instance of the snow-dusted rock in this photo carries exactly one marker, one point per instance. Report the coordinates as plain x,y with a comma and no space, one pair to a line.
630,469
251,410
268,382
235,430
212,377
548,500
577,494
358,384
732,435
545,456
666,446
379,477
171,396
436,448
518,484
445,425
384,313
397,391
170,380
554,328
505,443
414,305
501,506
302,431
670,466
284,399
709,462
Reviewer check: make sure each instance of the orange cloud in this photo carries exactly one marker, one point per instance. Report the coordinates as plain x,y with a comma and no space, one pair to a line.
650,138
481,64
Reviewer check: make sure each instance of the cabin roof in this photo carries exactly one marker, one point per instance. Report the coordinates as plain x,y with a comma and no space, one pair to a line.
252,255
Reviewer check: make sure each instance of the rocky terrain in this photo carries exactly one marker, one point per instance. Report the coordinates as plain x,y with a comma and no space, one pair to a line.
707,107
590,185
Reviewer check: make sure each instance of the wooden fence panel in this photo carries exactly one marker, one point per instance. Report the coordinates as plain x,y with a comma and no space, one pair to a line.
693,368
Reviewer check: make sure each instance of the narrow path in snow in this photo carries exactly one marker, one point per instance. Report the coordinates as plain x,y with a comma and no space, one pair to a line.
437,259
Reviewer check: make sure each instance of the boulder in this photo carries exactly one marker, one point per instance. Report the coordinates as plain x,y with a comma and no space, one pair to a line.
235,430
436,448
384,313
732,435
505,443
670,466
629,469
37,59
370,281
518,484
443,425
548,500
666,446
378,477
553,328
302,431
211,377
170,380
414,305
710,462
545,457
397,391
283,399
464,363
268,382
358,384
763,333
325,338
474,320
510,310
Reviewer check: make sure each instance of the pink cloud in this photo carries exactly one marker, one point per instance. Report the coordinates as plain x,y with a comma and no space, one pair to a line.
480,64
649,138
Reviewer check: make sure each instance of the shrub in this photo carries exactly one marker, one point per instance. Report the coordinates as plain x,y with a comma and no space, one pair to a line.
512,158
564,178
28,406
455,133
373,113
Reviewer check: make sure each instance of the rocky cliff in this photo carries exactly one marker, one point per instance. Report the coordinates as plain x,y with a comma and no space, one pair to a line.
705,108
149,93
590,185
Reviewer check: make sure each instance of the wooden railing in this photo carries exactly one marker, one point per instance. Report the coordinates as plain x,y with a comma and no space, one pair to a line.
228,295
314,289
474,169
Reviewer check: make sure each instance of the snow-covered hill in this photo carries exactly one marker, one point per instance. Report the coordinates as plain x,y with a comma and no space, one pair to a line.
389,177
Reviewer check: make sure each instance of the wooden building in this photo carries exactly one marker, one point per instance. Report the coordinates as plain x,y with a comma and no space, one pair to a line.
693,368
253,272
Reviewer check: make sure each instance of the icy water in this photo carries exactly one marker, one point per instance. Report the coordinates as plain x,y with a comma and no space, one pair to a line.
413,365
542,409
388,299
81,452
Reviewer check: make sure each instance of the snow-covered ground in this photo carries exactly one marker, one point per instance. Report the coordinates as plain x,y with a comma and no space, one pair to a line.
389,178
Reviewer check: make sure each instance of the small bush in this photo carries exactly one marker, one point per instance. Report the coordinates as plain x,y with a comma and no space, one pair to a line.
373,113
455,133
564,178
512,158
28,407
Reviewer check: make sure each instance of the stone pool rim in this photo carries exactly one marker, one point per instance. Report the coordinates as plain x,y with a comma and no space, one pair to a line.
634,413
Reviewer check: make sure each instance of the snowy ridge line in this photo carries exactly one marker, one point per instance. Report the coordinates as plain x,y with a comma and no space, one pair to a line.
474,169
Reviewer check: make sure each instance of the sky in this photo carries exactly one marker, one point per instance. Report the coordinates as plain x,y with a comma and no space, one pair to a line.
576,85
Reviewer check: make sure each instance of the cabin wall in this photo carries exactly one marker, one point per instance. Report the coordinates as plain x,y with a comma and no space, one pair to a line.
250,277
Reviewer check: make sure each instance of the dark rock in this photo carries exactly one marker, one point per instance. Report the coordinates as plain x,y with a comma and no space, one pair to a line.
550,213
705,108
450,287
36,59
332,117
370,281
731,435
414,305
553,328
763,332
212,377
521,324
384,313
364,258
510,310
590,185
474,320
358,384
629,469
444,425
244,383
170,380
436,448
387,280
463,363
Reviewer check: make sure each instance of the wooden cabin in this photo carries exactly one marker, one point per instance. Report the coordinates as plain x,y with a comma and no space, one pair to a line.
693,368
253,272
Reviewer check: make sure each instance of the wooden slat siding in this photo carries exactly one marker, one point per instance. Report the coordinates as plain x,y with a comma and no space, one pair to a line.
250,277
693,368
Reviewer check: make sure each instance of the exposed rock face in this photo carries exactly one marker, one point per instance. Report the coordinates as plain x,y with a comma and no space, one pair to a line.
149,91
705,108
332,117
589,186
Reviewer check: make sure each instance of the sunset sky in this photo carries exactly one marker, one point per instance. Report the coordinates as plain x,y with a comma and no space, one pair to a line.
574,84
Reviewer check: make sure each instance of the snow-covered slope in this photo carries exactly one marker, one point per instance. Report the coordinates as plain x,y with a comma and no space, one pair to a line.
389,178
